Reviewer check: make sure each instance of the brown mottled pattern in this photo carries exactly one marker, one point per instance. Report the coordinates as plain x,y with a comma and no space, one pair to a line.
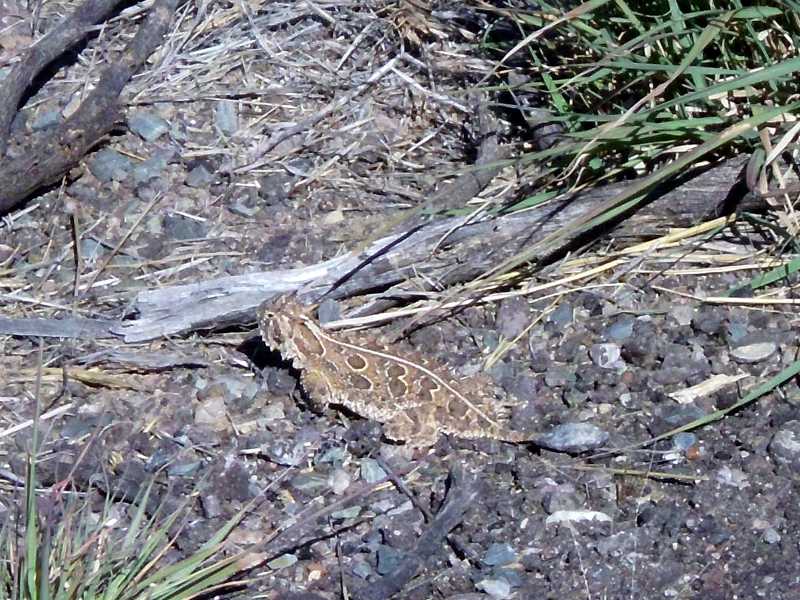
415,398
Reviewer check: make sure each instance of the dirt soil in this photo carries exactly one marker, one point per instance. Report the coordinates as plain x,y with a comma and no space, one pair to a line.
202,181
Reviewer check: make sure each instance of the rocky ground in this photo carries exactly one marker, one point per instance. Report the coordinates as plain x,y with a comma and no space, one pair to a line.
202,182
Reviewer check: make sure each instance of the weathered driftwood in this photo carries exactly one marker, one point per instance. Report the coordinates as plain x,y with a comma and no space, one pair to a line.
468,251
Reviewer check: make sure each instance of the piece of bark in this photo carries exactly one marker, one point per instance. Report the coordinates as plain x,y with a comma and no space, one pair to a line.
466,253
47,156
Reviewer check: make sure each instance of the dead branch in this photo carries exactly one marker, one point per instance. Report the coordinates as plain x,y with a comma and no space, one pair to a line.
44,160
65,35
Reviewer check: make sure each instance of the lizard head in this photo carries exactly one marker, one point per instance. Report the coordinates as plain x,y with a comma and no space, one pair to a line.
287,326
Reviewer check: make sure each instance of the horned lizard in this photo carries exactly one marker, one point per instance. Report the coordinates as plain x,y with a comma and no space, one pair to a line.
415,398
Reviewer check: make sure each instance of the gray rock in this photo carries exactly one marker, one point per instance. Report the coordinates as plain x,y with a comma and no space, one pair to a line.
339,481
736,331
332,456
91,250
708,320
573,438
347,513
682,313
360,568
540,357
147,125
109,165
184,468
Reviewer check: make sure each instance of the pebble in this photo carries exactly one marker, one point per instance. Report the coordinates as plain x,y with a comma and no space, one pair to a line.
389,559
683,441
620,330
360,568
226,117
573,438
212,411
211,505
178,227
309,482
109,165
682,313
771,536
736,331
708,320
558,376
576,516
513,316
371,472
274,188
147,125
499,589
332,456
284,452
199,177
329,310
732,477
339,481
283,561
785,445
754,353
91,250
562,315
184,469
606,356
347,513
45,120
560,500
499,554
151,168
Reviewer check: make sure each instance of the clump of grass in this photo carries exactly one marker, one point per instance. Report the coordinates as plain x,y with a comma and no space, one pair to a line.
68,551
65,550
647,90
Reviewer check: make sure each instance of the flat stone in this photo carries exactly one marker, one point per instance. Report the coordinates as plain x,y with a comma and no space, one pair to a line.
754,353
147,125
